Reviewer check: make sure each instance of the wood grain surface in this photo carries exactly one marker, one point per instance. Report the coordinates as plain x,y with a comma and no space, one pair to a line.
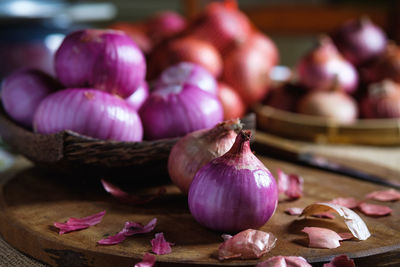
32,200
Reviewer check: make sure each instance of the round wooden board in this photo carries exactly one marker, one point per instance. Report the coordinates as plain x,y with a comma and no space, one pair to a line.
31,201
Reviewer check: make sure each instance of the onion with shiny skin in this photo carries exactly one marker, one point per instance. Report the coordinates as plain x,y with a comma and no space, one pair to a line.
23,91
235,191
196,149
187,49
190,73
360,41
176,110
231,101
89,112
106,60
137,99
382,101
319,67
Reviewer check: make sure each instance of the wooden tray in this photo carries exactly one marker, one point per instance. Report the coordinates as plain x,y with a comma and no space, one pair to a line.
32,200
321,130
71,152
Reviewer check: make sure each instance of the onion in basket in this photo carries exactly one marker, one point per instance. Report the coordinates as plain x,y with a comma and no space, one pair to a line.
175,110
106,60
23,91
89,112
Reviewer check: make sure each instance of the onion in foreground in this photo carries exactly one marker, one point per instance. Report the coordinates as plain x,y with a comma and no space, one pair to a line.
235,191
89,112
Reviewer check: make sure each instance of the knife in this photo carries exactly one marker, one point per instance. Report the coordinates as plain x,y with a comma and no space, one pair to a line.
283,149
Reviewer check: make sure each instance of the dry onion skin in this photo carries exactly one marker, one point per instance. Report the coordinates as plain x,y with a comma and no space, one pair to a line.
160,246
322,237
355,224
148,261
384,195
74,224
284,261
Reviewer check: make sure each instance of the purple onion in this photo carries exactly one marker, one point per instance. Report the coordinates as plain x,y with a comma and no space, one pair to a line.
176,110
360,41
235,191
186,72
106,60
23,91
137,99
89,112
319,68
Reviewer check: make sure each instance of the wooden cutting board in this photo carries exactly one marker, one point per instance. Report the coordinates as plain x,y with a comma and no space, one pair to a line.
31,200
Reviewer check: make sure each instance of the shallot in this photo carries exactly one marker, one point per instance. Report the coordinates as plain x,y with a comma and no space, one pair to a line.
22,92
231,101
235,191
196,149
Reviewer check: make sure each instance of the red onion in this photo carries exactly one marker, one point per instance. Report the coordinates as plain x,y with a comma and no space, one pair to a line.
262,42
247,68
89,112
381,101
235,191
284,97
185,49
22,92
176,110
333,104
360,41
231,101
196,149
164,25
318,68
186,72
222,25
137,99
106,60
138,33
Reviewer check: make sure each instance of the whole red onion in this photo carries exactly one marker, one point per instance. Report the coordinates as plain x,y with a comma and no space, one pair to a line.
106,60
333,104
138,33
164,25
23,91
175,110
222,25
231,101
185,49
89,112
196,149
186,72
262,42
360,41
137,99
247,69
233,192
381,101
387,66
284,97
319,67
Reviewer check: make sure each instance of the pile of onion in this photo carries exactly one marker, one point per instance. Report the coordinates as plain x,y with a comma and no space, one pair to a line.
23,91
360,41
382,100
196,149
233,192
319,67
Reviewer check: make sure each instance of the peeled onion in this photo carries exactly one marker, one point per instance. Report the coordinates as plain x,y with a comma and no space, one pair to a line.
186,49
231,102
223,25
333,104
319,67
106,60
23,91
89,112
186,72
382,100
176,110
360,41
